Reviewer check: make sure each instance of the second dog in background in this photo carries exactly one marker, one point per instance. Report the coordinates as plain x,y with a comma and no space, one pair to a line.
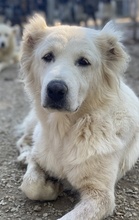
8,46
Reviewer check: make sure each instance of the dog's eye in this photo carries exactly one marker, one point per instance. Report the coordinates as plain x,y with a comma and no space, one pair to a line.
83,62
48,57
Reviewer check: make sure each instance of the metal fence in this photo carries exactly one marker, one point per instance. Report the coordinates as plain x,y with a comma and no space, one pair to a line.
66,10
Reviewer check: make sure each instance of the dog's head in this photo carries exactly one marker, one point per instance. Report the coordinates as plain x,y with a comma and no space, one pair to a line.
6,36
64,66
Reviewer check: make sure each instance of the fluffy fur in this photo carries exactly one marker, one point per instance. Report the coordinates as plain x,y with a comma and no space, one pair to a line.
85,120
8,50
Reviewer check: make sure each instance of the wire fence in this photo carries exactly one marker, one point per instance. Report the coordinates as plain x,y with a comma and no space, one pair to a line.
70,11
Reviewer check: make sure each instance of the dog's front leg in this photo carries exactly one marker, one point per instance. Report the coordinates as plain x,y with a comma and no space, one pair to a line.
36,186
92,207
24,144
95,180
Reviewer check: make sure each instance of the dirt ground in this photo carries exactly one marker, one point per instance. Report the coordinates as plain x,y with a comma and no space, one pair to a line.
13,204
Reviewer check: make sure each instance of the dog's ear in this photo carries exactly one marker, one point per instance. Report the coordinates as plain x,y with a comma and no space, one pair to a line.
34,30
112,50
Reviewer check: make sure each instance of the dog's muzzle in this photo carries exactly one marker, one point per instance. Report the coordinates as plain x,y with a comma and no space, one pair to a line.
56,91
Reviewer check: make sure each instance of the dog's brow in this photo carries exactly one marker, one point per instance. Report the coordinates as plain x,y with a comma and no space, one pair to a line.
56,39
57,47
54,44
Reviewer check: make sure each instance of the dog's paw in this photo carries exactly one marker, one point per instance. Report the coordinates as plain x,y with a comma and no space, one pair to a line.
66,217
24,143
37,188
23,158
24,150
70,216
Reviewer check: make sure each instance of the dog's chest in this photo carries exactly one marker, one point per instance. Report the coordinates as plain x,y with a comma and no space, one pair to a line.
51,155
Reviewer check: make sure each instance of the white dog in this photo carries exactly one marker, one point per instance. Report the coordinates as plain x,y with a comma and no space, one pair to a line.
85,119
8,53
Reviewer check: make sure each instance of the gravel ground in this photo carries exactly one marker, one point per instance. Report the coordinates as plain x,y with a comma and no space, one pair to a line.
13,204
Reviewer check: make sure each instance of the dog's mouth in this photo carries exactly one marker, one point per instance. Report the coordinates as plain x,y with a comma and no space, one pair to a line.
51,106
60,107
55,106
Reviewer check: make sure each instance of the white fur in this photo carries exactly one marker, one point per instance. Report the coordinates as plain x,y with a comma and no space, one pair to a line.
92,142
8,48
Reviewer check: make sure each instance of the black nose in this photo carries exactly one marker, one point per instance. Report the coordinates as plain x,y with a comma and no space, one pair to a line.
57,90
2,44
